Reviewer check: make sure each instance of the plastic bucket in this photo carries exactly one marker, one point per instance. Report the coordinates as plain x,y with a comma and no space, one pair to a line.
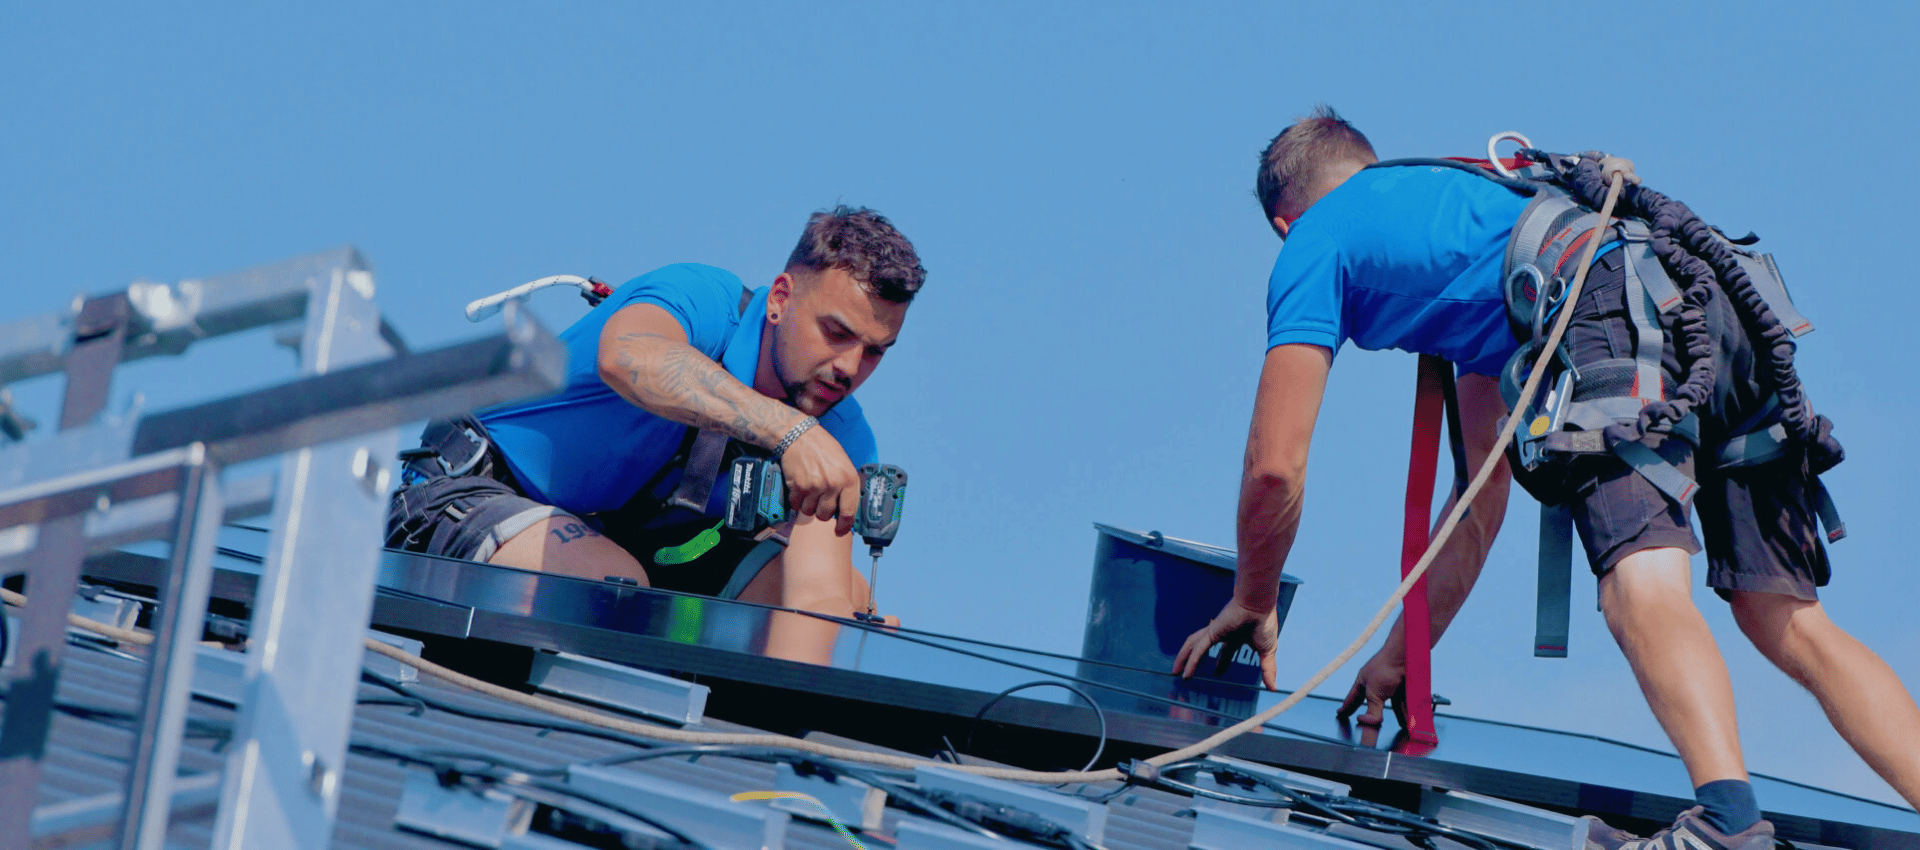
1149,593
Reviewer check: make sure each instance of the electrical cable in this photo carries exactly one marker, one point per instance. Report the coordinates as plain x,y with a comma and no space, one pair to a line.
1351,811
451,773
1098,714
1328,739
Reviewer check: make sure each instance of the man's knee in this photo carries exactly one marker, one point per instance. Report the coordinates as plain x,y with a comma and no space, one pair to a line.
1649,576
1780,626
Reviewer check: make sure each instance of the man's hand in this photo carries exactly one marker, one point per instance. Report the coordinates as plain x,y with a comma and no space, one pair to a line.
821,481
1380,679
1235,627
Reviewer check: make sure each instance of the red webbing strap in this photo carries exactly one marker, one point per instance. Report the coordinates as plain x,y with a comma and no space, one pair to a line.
1416,622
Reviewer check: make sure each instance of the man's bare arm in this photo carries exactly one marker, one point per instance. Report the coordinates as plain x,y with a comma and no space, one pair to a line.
1273,480
1455,570
1272,491
644,356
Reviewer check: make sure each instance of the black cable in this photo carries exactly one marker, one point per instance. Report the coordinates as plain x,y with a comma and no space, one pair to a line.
1363,814
451,773
922,804
1098,714
1006,820
845,621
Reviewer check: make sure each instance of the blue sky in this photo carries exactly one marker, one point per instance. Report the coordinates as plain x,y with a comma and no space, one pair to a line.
1077,179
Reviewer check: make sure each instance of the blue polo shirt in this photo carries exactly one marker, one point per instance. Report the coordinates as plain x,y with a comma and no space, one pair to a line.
586,449
1406,258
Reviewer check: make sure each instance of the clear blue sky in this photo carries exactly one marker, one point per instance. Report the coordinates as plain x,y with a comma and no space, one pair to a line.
1076,177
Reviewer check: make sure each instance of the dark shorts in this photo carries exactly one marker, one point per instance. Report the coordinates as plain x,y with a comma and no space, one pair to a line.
471,516
1759,522
468,517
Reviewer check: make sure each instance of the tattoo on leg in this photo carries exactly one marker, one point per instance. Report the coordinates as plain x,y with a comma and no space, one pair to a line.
572,531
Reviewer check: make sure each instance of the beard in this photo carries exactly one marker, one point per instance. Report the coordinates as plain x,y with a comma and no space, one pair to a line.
799,396
798,391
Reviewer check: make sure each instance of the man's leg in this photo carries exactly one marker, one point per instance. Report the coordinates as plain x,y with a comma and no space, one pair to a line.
1648,603
1860,694
765,588
565,545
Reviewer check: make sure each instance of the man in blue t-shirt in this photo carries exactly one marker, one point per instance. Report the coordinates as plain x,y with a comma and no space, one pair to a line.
1410,258
589,481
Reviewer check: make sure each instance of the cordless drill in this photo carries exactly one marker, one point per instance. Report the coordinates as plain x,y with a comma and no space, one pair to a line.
757,498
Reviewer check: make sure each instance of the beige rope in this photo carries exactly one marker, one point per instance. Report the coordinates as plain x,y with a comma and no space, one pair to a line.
1618,170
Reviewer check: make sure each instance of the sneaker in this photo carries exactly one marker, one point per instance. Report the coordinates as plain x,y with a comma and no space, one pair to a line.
1689,832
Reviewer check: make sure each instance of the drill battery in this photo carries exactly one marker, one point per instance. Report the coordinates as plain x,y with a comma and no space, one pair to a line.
757,498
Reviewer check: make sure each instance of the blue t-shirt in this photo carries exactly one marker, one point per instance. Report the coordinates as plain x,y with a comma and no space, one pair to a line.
1405,257
586,449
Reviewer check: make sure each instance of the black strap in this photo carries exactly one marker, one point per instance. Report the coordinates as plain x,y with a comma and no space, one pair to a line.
1552,601
1455,437
703,468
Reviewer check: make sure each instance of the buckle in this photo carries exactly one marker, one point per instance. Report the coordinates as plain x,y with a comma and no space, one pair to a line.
473,460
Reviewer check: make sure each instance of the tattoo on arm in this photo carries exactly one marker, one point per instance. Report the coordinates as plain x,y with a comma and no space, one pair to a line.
673,379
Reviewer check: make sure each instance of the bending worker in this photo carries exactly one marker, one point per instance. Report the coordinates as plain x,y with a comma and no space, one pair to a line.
1410,258
619,474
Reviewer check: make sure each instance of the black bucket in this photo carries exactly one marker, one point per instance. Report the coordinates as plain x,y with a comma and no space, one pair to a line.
1150,592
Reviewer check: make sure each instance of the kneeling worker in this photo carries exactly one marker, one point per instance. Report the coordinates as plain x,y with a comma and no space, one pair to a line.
621,473
1410,258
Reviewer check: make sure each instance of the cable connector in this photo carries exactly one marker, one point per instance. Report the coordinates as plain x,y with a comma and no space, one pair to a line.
1140,770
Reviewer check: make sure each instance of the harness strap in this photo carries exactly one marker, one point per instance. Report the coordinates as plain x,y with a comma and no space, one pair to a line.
1753,448
1456,439
1649,341
1829,514
1643,266
448,448
1651,466
703,468
1553,595
1416,619
1536,225
1764,274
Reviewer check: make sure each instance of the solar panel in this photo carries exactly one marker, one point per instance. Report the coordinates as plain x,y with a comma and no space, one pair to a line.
854,667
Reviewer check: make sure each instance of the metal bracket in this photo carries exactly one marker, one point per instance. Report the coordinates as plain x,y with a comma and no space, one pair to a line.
1513,822
855,804
1087,819
1220,829
465,815
710,818
619,686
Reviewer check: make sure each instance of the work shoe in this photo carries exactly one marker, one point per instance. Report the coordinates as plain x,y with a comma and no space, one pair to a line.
1690,831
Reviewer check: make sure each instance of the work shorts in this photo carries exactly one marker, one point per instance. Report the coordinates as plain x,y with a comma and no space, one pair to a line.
467,516
471,516
1759,522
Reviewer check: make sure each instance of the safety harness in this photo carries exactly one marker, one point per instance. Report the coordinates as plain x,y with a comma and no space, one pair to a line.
1670,260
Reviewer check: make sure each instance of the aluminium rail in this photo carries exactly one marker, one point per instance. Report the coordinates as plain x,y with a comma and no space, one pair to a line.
104,481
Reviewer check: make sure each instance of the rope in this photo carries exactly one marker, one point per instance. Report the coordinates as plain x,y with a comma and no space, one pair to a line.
79,622
1617,172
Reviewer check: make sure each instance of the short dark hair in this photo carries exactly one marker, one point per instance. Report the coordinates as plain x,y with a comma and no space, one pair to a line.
1297,160
864,244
